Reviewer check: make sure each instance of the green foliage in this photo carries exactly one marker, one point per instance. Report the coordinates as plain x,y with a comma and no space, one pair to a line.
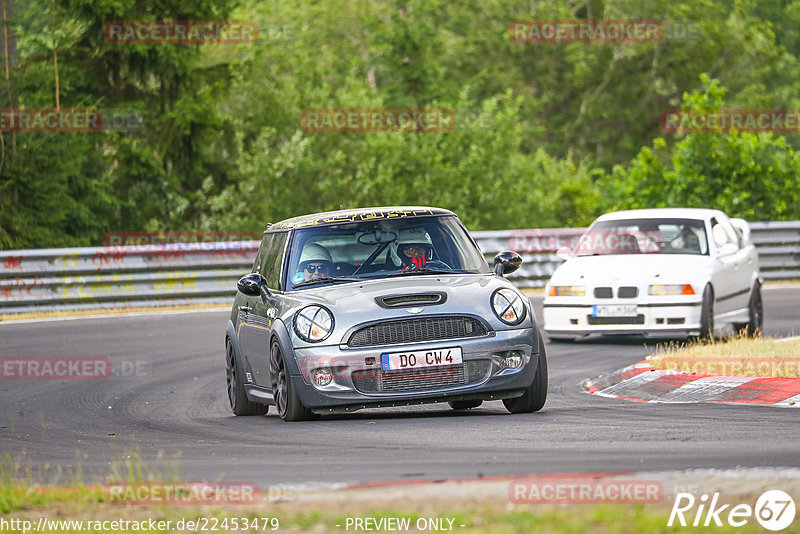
753,176
546,134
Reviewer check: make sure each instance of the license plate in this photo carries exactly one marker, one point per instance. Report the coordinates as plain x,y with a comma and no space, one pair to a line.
628,310
417,359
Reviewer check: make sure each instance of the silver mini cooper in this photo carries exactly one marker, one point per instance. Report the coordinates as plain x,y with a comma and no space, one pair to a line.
376,307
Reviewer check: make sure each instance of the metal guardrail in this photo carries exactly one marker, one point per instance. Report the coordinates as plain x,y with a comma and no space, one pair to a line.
156,275
122,277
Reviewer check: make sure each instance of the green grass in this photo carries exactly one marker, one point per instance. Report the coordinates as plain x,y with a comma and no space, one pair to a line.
737,356
499,517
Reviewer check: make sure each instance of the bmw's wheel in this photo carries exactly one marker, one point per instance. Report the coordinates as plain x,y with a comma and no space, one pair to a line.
286,401
465,404
535,396
237,397
707,314
756,307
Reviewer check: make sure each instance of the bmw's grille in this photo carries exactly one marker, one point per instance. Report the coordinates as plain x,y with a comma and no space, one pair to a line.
425,379
627,292
603,292
413,330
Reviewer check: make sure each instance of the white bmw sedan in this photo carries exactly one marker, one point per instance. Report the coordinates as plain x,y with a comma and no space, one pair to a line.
670,272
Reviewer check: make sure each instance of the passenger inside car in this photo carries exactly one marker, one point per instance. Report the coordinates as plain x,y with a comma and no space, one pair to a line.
315,262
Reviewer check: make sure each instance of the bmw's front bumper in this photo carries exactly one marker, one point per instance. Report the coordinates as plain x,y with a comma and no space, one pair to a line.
667,317
484,353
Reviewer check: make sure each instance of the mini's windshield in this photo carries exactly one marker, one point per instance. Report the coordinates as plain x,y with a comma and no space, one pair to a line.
367,250
644,236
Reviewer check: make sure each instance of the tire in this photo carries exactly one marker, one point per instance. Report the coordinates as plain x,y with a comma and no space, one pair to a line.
286,400
465,404
707,314
756,308
535,396
237,396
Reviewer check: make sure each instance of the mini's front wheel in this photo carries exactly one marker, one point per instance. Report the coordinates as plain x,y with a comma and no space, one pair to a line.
286,400
535,396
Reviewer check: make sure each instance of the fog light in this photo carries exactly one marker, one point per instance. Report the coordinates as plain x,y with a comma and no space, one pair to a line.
323,377
514,360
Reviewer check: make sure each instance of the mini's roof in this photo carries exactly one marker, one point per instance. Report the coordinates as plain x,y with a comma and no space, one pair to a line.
357,215
662,213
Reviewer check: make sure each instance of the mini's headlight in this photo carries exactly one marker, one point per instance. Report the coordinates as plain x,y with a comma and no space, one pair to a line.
508,306
566,291
313,323
662,290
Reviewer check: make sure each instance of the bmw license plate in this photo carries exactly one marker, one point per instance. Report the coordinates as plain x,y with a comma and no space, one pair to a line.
417,359
627,310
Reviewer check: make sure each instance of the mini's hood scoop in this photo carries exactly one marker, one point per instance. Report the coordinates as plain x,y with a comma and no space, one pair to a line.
431,298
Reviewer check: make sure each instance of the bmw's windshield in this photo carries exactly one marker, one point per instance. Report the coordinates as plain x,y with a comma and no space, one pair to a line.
349,252
644,236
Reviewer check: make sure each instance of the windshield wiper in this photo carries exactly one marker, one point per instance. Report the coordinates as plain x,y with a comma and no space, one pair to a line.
326,280
423,270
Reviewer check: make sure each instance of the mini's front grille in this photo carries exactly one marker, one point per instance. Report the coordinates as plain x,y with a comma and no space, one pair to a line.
603,292
627,292
398,301
413,330
425,379
639,319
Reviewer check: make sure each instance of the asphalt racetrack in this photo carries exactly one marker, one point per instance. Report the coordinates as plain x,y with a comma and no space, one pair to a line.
166,401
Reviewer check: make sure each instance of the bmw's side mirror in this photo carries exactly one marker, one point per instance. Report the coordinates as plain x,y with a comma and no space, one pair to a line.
506,262
253,285
727,249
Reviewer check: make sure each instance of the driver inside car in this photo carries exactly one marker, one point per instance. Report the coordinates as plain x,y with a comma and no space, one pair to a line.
414,248
688,240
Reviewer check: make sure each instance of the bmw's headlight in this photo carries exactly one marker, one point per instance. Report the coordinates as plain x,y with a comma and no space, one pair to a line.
313,323
566,291
661,290
508,306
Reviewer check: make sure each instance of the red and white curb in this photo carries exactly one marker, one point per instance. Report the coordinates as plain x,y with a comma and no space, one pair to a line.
641,382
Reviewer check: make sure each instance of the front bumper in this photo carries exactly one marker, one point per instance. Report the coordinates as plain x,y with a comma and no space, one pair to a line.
359,382
570,317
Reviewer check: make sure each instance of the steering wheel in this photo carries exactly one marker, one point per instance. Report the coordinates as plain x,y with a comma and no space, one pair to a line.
434,264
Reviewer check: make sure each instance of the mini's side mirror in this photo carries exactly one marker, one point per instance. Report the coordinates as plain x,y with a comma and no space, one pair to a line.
253,285
506,262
